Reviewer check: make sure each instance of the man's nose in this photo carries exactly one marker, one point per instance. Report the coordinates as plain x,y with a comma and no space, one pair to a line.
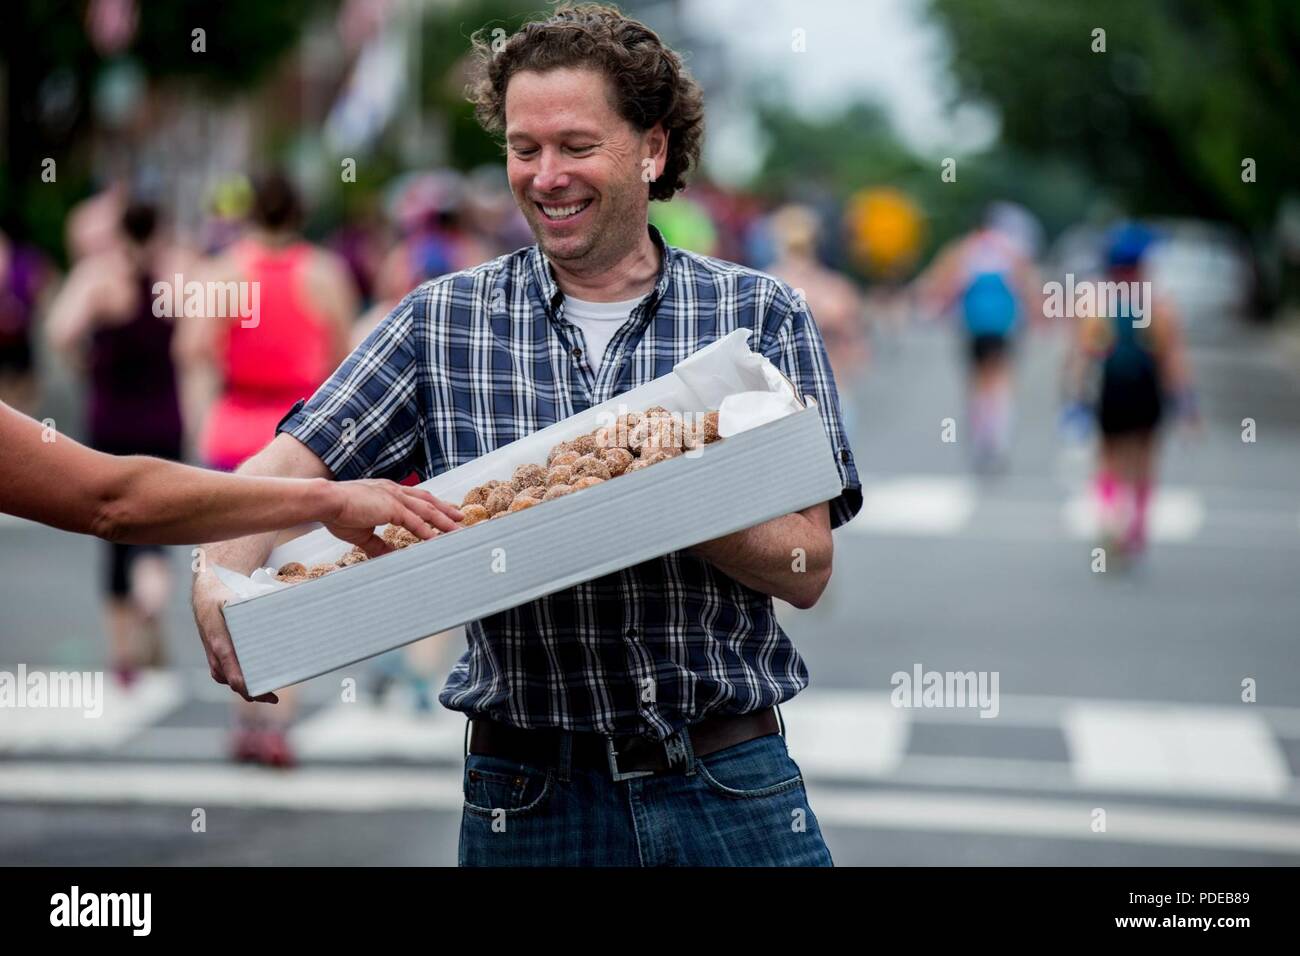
552,173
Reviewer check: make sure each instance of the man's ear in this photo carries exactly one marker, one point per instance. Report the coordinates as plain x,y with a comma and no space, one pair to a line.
656,142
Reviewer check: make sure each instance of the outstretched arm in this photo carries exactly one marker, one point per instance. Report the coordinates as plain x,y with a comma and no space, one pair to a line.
50,478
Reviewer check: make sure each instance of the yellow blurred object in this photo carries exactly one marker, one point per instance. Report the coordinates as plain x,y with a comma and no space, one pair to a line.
885,231
231,197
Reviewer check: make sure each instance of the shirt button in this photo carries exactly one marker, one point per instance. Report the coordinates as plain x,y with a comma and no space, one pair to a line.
577,353
844,455
632,632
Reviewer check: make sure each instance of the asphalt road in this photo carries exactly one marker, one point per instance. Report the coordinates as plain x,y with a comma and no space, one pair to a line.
1116,691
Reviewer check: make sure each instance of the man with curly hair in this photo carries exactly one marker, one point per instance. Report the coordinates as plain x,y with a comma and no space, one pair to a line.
630,720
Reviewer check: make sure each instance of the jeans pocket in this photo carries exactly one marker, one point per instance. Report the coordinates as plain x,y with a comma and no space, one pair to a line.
760,767
494,786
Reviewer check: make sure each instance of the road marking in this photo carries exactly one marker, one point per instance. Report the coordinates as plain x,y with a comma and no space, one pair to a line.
1177,515
355,789
306,788
917,504
1056,819
359,731
845,734
1175,750
63,729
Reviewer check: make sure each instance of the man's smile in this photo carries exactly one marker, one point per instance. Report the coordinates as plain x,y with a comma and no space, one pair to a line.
562,213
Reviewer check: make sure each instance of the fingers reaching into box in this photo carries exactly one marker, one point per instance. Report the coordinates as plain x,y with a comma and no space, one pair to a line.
368,503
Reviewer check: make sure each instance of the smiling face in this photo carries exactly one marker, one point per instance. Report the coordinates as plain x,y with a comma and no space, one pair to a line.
575,166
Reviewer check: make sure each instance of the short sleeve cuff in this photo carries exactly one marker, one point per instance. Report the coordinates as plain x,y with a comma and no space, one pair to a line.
323,437
849,503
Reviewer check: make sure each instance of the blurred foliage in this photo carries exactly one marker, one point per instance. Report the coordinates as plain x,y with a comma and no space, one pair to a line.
837,155
53,74
1164,117
445,45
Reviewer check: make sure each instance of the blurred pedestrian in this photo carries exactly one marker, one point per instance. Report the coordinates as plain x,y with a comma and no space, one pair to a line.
1129,364
24,278
833,298
989,278
437,238
305,304
103,322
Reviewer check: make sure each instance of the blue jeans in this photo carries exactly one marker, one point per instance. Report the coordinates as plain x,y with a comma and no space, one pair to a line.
742,806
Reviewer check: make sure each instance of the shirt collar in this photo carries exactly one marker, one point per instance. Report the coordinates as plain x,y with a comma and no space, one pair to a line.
544,279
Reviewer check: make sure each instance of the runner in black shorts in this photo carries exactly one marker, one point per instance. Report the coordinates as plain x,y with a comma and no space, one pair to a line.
1138,366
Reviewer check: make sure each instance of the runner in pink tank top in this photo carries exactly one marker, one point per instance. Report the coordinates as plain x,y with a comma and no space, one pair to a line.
268,365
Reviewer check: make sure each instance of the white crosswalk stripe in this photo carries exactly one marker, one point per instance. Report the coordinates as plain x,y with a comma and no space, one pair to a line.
849,744
1175,750
845,734
841,736
920,504
1177,515
26,730
1029,509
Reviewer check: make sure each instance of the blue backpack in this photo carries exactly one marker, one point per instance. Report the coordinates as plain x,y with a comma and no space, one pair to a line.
988,305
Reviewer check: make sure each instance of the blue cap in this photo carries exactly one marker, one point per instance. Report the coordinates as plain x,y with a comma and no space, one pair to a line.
1128,243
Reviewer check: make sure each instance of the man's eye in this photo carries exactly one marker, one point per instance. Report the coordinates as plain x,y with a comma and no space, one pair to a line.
581,149
523,152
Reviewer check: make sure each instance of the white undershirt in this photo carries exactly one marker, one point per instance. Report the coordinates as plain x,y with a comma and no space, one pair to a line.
599,321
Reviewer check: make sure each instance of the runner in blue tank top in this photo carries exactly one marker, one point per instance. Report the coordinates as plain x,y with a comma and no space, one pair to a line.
988,278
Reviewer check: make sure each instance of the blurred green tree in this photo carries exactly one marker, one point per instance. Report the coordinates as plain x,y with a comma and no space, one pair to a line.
1165,117
52,71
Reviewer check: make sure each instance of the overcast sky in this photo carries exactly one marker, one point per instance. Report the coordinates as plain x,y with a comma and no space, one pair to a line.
887,50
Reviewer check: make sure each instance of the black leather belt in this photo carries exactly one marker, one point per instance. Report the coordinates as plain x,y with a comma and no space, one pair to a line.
624,757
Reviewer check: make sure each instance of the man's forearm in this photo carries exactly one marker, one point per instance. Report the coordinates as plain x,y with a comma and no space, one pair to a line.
788,557
285,458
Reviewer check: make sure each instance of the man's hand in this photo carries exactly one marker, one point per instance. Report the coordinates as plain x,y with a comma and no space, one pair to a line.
362,506
210,596
370,502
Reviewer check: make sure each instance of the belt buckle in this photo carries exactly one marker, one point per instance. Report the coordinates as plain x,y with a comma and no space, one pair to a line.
612,755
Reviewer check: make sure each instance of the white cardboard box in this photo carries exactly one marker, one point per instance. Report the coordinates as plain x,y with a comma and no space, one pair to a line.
775,458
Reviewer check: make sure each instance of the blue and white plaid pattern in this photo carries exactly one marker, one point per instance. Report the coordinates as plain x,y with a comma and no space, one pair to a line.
474,360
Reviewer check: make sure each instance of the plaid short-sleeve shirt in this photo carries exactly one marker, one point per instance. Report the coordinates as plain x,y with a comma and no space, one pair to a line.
474,360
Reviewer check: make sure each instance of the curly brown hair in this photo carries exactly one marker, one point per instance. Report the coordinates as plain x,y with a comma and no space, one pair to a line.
650,84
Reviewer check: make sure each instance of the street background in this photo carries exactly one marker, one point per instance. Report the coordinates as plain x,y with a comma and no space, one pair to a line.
1119,690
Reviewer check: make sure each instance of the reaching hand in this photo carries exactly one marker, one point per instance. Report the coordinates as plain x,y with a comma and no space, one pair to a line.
370,502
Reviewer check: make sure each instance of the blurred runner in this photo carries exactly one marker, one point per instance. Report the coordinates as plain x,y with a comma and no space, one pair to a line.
1129,369
305,307
832,299
103,322
24,277
990,279
94,224
429,211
